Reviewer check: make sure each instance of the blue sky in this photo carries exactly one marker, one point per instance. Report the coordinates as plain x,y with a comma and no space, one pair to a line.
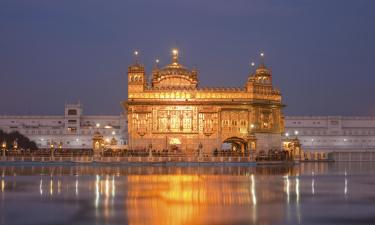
321,52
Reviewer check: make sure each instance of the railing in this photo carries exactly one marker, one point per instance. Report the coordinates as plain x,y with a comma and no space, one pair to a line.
139,159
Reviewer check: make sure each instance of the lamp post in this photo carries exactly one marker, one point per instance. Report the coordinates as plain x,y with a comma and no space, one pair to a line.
4,146
52,150
15,145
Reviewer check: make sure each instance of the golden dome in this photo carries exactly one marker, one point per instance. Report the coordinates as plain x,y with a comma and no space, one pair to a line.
174,75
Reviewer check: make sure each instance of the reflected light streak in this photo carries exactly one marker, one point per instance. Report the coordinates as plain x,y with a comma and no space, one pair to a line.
254,198
297,189
313,184
113,187
76,186
2,184
298,199
253,190
41,186
97,191
58,186
51,187
106,186
287,187
346,184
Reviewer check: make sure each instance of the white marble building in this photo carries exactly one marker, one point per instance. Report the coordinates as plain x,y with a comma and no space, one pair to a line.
72,130
332,133
75,130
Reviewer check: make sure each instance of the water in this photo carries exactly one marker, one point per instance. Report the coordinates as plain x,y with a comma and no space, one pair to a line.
311,193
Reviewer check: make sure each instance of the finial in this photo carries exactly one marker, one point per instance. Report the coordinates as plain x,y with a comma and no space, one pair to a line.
262,58
136,53
175,56
252,65
157,63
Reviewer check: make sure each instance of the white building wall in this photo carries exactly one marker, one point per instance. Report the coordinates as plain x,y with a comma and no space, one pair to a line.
46,129
332,133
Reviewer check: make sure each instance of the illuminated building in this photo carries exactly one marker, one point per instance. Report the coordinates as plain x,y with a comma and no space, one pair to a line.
173,112
72,130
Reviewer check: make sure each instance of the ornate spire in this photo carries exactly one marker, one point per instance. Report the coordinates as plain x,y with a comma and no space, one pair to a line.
157,61
252,66
175,56
262,65
136,58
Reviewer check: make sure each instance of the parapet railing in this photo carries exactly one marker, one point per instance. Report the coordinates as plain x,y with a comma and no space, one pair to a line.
133,159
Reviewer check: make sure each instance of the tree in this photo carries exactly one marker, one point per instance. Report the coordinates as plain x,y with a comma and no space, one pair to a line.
22,141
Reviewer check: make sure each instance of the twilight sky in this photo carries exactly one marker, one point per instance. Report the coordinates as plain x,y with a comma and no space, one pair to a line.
321,52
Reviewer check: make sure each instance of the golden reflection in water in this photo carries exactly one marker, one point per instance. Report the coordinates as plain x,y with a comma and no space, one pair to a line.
2,184
254,199
181,199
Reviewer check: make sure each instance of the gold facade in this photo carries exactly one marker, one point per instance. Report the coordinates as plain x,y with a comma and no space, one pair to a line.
173,112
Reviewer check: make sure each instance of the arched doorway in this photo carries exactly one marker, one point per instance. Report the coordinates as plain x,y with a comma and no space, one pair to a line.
238,146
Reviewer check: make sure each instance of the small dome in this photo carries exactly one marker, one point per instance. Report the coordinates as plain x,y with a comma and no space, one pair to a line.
262,70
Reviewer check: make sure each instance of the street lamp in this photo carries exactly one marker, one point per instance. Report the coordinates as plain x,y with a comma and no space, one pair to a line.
4,146
15,144
52,149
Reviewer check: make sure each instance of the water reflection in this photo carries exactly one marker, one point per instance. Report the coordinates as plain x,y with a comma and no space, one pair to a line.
179,195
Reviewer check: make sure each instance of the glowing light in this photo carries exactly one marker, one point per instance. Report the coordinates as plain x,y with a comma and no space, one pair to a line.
113,132
252,126
296,132
157,61
77,140
98,125
262,54
174,51
136,53
174,141
287,134
252,64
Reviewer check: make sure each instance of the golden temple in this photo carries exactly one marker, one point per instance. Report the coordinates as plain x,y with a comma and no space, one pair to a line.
172,112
